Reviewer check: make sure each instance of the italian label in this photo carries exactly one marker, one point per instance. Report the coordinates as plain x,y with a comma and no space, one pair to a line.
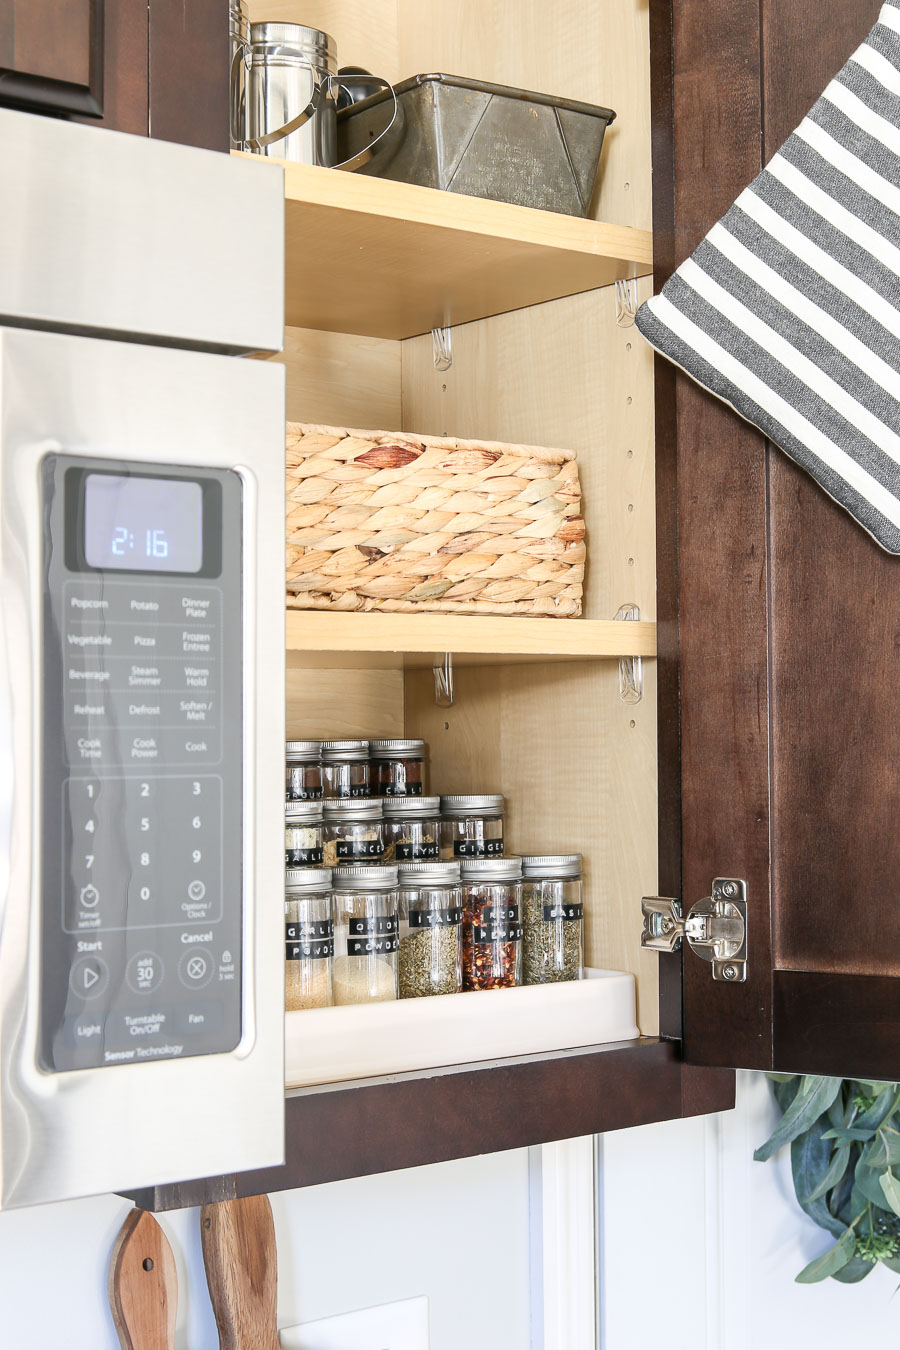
402,790
478,848
309,941
415,852
359,848
303,857
496,932
568,913
434,918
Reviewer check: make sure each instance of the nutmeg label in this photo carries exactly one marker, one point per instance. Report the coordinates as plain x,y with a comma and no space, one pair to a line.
478,848
434,918
568,913
303,857
497,932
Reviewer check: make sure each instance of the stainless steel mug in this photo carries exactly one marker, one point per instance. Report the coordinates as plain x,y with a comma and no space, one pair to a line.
239,33
292,96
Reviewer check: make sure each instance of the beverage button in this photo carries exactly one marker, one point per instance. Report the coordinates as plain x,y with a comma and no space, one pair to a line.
199,1019
144,972
89,977
195,969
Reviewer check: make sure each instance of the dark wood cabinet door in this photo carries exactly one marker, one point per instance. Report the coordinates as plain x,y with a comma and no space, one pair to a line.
51,55
784,624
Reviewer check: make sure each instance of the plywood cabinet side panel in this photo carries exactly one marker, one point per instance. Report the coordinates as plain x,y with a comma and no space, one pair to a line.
598,52
578,768
365,30
560,374
347,702
341,379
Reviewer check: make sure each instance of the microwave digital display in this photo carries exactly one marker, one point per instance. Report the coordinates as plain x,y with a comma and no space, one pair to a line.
138,524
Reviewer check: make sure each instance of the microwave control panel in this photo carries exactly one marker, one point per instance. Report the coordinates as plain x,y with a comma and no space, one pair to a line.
142,782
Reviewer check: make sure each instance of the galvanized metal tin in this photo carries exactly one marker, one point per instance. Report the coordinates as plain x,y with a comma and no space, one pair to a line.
483,140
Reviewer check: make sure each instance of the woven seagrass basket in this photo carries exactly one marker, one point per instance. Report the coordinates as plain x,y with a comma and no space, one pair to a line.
388,521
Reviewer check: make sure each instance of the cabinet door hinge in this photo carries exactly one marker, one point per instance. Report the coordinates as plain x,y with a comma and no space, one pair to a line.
715,928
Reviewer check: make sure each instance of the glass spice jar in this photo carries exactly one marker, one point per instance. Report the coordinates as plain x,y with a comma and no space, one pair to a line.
552,918
346,770
366,934
472,826
430,929
303,771
412,829
354,831
492,928
304,834
398,768
308,939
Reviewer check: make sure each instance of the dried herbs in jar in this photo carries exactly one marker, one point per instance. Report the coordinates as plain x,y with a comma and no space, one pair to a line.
492,927
553,918
304,834
412,829
354,831
430,929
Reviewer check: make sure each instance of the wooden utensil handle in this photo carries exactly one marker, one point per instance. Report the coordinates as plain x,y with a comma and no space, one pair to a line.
143,1285
240,1257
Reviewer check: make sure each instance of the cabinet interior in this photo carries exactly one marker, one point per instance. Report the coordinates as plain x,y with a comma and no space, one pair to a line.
577,764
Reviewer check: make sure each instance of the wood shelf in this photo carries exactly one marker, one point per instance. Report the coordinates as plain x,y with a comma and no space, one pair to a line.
412,640
383,259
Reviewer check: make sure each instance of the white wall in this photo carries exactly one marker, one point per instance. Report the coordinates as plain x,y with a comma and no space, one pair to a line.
353,1244
700,1244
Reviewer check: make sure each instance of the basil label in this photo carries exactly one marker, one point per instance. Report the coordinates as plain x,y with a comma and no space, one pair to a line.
568,913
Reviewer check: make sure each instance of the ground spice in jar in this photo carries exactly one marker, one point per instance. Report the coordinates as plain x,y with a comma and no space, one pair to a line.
356,981
308,939
491,927
398,767
430,918
303,781
303,834
553,918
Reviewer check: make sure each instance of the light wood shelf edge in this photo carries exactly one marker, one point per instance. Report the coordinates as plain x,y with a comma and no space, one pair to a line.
467,636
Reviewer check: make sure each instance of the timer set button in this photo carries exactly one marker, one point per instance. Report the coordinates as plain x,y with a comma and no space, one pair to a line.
89,896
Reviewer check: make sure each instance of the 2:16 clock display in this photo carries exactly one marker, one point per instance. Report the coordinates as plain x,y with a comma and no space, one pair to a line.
140,524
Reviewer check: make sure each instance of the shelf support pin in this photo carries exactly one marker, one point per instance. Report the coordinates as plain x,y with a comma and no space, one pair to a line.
442,348
443,682
631,668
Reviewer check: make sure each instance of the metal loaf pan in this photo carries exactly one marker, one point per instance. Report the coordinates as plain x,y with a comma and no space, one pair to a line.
484,140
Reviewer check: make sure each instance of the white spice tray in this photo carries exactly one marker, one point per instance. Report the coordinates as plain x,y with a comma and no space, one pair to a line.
331,1045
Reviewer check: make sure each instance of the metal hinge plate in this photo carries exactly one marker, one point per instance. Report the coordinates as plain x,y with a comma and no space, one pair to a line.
715,928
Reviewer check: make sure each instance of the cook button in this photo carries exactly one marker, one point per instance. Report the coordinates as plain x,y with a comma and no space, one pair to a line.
89,977
195,969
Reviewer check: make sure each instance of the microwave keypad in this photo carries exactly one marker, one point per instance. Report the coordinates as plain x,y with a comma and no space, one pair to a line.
142,801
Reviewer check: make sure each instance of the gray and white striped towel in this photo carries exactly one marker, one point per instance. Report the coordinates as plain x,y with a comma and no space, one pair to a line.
790,308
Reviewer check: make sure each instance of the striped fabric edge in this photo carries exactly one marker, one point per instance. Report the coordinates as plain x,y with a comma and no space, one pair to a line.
883,527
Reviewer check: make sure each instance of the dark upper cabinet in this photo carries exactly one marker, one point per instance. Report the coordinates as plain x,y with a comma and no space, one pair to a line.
150,67
784,624
52,55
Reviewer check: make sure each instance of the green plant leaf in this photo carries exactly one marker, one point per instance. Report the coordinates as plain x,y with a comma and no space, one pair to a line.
855,1270
782,1077
891,1188
848,1136
786,1091
810,1157
884,1151
892,1263
874,1086
841,1110
838,1167
830,1262
814,1096
867,1183
885,1105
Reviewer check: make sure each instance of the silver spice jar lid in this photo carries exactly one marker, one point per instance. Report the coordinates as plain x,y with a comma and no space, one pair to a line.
549,865
303,810
473,804
482,871
344,808
307,879
415,874
335,751
302,752
397,749
401,808
362,878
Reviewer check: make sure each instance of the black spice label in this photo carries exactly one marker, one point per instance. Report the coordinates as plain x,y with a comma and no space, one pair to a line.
309,941
359,848
298,793
385,926
416,852
401,790
499,914
357,790
372,946
434,918
568,913
478,848
303,857
496,932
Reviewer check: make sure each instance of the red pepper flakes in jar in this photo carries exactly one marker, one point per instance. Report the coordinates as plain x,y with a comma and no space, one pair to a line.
492,923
